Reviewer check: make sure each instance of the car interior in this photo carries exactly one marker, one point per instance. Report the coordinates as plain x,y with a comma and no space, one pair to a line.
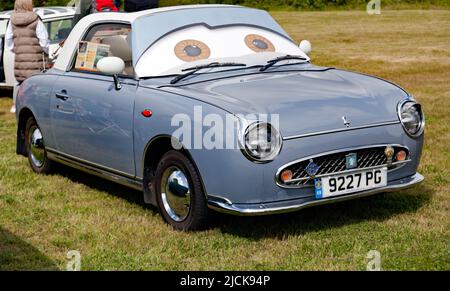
119,48
113,38
63,33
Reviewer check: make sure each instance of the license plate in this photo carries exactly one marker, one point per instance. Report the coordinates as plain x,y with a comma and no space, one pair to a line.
351,182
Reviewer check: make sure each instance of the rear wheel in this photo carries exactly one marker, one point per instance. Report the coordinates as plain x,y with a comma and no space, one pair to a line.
37,155
179,193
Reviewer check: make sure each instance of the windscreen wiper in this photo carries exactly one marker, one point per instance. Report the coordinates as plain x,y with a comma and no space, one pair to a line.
272,62
193,70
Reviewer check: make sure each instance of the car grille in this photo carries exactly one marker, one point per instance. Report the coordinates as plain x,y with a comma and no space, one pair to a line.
336,163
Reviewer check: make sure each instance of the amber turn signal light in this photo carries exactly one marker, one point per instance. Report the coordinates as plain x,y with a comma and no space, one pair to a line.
401,156
286,175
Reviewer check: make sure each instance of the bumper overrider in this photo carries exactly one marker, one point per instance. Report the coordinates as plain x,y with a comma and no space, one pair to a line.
255,209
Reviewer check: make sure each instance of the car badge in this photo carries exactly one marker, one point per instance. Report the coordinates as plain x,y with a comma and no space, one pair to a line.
346,122
318,184
312,168
389,153
318,188
351,161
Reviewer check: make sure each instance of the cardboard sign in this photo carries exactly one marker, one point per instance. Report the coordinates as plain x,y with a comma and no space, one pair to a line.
89,54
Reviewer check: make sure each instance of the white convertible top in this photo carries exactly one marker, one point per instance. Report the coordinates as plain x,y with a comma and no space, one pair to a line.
65,56
153,56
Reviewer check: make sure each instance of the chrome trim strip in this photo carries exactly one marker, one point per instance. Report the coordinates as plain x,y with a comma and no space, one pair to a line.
94,169
341,130
348,171
220,199
295,205
89,163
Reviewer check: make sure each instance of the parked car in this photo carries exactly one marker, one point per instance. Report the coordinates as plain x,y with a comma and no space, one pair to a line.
57,20
114,101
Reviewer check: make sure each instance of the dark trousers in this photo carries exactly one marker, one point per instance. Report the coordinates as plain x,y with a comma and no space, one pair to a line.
139,5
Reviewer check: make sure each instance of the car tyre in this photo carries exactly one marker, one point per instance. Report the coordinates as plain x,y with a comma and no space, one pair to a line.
35,147
179,193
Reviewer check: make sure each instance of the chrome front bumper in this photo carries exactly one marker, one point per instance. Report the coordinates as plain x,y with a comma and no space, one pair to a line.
222,205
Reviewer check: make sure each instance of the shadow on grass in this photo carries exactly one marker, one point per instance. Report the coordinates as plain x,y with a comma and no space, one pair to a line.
6,93
374,208
16,254
92,181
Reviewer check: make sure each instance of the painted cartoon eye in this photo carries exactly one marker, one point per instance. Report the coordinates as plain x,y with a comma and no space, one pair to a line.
258,43
192,50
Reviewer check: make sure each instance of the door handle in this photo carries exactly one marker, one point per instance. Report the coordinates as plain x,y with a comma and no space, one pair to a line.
62,95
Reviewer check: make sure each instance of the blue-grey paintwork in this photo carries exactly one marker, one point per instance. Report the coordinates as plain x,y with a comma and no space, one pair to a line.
143,37
105,127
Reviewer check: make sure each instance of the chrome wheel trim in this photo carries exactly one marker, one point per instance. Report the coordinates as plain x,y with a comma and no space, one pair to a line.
36,142
175,193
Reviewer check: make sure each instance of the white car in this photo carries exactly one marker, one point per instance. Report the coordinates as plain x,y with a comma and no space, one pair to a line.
57,20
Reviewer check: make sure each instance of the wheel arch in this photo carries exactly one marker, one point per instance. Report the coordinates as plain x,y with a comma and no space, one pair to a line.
153,152
24,114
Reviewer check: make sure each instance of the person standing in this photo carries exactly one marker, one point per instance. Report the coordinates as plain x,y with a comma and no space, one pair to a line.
118,3
139,5
86,7
27,38
105,6
83,8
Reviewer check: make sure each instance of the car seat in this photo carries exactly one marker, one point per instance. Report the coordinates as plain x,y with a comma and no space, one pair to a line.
119,48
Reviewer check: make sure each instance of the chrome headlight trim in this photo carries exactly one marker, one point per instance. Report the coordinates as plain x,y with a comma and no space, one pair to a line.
400,108
249,153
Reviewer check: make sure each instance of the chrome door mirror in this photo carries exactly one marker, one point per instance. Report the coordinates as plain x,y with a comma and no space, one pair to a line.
112,66
306,47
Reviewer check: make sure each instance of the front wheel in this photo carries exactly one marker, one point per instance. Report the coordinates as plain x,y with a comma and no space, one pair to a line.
179,193
37,155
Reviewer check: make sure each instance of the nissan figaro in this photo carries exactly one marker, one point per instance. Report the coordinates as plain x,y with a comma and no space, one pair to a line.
215,107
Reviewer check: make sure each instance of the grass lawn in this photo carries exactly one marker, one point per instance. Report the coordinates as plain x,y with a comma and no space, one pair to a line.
43,217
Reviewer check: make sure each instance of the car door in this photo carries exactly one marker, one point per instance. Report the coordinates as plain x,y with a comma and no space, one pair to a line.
8,59
92,122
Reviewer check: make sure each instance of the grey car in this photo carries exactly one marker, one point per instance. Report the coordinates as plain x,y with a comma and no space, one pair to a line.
214,107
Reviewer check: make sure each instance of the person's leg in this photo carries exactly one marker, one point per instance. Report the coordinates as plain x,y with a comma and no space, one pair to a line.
118,3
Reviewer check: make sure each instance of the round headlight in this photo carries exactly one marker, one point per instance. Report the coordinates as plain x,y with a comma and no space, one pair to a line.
411,117
262,142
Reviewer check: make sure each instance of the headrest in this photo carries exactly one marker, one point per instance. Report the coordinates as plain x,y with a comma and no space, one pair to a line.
119,47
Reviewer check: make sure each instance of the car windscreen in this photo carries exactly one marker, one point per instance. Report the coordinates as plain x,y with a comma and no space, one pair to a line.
58,30
200,45
148,29
189,35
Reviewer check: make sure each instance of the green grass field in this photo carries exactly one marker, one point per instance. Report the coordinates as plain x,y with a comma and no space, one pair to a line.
43,217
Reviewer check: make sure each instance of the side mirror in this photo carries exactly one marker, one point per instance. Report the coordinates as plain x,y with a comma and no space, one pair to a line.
306,47
112,66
